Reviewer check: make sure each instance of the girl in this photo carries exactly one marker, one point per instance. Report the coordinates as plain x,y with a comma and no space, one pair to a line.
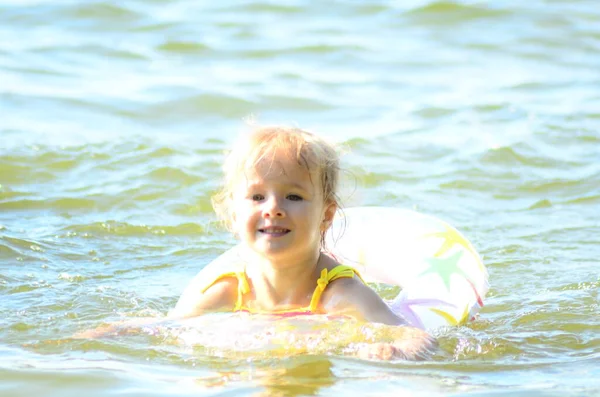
279,198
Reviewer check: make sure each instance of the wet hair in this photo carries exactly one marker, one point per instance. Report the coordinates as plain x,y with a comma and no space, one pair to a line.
318,156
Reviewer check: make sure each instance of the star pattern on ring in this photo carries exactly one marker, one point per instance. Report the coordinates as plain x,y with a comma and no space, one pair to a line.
452,237
445,267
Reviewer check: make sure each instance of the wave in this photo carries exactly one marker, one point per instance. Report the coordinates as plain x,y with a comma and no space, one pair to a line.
100,11
126,229
449,12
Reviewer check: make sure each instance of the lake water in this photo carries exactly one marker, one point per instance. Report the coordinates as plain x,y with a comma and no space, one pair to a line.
114,117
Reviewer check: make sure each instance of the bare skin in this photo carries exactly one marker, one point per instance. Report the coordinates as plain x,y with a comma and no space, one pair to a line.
280,215
345,296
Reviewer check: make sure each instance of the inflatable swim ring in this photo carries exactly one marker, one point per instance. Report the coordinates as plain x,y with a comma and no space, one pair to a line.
442,278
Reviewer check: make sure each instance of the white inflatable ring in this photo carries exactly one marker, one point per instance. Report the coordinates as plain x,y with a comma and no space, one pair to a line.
442,278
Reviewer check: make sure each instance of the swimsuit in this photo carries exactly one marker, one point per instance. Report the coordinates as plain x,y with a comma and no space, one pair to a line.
327,276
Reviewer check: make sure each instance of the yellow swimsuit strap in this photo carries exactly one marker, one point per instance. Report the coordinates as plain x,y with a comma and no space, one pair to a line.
243,286
340,271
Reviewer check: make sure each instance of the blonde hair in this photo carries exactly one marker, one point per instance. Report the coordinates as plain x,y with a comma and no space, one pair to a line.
266,143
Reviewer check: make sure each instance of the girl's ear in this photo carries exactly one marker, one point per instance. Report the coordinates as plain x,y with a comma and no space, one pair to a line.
328,215
233,223
231,217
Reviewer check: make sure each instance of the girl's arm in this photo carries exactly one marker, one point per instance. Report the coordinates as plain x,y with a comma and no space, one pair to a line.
192,302
350,296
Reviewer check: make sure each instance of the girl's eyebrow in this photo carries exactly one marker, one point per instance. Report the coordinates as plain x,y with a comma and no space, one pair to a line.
295,185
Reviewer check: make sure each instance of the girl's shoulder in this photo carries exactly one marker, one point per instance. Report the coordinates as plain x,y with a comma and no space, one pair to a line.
201,296
338,271
341,281
348,294
213,288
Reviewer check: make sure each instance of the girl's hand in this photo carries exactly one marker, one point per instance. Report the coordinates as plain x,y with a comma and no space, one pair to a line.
99,332
377,351
120,328
410,344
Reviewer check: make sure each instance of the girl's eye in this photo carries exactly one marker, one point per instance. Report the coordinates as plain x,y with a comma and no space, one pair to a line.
257,197
294,197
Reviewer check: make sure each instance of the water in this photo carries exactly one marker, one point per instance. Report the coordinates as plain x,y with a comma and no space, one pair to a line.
114,120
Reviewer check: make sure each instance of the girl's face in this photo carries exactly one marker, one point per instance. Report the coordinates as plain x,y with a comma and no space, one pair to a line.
279,211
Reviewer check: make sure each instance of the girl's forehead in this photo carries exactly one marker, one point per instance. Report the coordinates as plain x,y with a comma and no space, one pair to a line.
280,167
285,172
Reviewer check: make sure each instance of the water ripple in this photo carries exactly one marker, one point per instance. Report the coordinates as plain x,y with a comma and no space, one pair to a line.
448,12
125,229
115,117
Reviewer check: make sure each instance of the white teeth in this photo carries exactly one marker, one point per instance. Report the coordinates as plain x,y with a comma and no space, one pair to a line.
274,230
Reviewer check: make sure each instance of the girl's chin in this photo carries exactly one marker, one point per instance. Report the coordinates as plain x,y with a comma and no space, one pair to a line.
273,250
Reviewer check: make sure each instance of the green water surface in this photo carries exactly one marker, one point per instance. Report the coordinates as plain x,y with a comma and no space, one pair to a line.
113,121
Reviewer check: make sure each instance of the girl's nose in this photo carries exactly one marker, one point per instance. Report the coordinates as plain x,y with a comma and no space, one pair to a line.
273,208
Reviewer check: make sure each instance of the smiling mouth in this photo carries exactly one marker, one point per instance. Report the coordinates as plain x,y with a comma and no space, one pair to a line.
274,231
